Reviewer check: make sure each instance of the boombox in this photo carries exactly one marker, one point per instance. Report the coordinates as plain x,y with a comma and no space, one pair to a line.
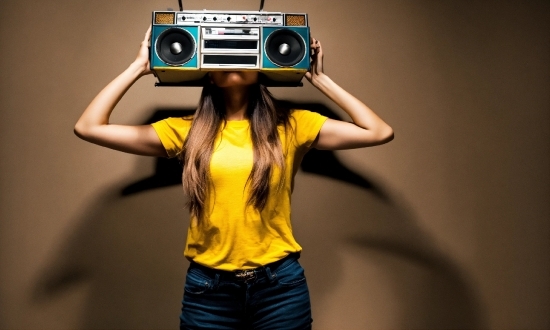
186,45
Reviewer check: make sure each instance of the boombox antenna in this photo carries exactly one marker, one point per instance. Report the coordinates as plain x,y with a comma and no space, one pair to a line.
262,5
181,5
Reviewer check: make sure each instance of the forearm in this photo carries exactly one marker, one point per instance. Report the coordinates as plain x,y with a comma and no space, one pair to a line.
360,114
101,107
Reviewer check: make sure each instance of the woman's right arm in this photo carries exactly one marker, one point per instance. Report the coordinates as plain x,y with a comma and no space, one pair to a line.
93,126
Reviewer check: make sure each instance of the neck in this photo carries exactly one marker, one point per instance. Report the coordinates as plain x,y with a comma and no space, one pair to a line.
236,103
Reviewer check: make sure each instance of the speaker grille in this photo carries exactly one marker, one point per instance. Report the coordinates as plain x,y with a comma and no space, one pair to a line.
285,48
164,18
295,20
175,46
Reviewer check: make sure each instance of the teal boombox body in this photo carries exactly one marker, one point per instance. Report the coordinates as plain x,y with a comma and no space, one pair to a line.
186,45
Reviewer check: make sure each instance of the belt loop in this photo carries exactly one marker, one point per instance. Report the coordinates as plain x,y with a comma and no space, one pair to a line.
216,281
270,276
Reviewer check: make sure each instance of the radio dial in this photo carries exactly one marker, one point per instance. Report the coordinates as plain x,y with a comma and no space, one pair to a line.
274,19
228,18
215,18
204,18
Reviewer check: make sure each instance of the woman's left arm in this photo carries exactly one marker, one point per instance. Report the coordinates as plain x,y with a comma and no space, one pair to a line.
367,128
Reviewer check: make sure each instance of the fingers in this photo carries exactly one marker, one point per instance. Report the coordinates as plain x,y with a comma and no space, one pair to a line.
316,56
316,67
316,48
147,37
314,45
142,57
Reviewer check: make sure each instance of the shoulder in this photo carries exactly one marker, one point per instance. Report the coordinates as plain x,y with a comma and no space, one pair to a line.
306,125
299,117
299,114
173,123
178,121
172,133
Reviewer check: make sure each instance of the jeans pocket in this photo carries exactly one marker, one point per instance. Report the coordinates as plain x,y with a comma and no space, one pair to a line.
294,282
291,275
196,284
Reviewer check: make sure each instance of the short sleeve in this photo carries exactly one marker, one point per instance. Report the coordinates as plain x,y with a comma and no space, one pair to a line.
306,125
172,133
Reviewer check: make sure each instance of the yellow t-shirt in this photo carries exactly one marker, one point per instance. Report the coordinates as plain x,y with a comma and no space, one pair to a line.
234,235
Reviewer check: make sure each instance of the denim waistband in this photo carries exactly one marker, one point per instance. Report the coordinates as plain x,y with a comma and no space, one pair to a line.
246,275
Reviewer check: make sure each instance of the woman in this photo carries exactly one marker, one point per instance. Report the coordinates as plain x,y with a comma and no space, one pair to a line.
240,154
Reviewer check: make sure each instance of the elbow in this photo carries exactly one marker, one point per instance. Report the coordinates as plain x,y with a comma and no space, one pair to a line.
80,131
386,135
390,136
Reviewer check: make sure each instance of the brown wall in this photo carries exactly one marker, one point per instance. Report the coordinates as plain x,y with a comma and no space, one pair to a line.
461,238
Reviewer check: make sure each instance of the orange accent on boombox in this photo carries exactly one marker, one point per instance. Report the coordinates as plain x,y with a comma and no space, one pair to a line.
295,20
164,18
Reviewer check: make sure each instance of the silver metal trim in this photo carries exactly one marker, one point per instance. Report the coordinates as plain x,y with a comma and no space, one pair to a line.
220,13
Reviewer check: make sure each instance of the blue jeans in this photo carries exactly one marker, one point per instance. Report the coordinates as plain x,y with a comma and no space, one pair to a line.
274,297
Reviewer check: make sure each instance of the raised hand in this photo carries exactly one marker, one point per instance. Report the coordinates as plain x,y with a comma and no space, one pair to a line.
142,59
316,66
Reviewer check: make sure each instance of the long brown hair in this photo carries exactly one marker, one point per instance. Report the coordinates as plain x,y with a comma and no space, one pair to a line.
265,117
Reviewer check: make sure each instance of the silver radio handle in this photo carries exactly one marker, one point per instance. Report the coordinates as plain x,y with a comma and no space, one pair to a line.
261,5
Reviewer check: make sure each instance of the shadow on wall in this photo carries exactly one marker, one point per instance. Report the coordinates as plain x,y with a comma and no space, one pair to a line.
126,252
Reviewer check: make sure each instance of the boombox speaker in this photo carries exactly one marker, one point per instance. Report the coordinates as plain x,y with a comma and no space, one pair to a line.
186,45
